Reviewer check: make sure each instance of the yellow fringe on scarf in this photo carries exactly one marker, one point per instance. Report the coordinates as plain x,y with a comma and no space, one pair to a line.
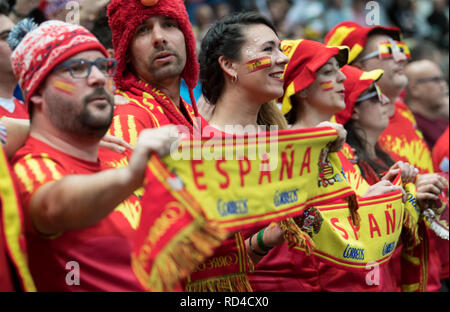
295,237
237,282
180,257
353,207
410,233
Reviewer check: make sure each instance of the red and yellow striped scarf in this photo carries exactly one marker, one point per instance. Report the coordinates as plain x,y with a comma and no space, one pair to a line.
13,225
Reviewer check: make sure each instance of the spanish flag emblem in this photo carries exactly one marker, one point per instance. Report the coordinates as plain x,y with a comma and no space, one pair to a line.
259,63
65,87
327,85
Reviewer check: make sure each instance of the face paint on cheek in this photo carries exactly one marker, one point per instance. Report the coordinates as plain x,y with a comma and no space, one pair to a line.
327,85
259,63
64,86
110,86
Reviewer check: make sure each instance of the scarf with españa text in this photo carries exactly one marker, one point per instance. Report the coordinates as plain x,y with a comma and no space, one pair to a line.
12,220
239,184
384,219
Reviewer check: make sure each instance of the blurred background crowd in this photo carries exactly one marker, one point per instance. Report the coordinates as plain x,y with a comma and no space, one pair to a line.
424,23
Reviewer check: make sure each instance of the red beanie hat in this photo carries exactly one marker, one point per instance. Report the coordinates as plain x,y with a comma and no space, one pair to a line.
356,83
126,15
355,36
305,58
37,50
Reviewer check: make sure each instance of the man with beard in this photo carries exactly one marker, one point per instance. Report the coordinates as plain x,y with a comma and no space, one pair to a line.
154,46
77,239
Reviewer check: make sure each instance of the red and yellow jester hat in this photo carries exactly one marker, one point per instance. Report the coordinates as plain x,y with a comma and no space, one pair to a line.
126,15
356,83
305,58
355,36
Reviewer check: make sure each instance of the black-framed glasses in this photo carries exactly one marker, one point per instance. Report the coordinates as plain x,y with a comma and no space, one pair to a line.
81,68
435,79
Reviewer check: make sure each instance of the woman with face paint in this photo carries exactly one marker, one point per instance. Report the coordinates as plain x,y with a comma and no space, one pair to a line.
365,117
314,92
241,68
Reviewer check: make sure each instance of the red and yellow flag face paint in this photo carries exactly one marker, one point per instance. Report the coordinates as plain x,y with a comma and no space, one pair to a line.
64,86
327,85
110,85
259,63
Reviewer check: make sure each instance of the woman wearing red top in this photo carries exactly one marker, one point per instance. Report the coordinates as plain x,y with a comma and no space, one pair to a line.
314,92
240,71
365,119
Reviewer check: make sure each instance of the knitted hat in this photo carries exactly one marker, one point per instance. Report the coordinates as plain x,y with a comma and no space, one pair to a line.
126,15
356,83
355,36
306,57
37,50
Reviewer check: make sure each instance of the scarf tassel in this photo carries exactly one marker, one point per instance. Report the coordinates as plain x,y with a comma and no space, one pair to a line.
353,207
227,283
295,237
177,261
410,233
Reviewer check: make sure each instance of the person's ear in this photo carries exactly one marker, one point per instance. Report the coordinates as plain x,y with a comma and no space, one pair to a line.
37,98
228,66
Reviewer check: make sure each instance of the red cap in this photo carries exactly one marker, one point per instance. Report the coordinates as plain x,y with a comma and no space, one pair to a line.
356,83
306,57
355,36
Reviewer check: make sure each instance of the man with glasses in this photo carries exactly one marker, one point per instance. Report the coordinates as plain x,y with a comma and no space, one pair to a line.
427,97
9,105
77,239
381,47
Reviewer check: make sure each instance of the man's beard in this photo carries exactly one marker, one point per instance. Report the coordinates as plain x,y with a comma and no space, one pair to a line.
167,71
65,116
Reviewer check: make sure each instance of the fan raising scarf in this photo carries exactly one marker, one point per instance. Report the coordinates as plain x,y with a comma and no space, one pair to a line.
214,185
342,243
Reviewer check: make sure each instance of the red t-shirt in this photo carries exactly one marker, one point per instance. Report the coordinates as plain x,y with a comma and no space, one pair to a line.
99,253
20,111
403,141
141,113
